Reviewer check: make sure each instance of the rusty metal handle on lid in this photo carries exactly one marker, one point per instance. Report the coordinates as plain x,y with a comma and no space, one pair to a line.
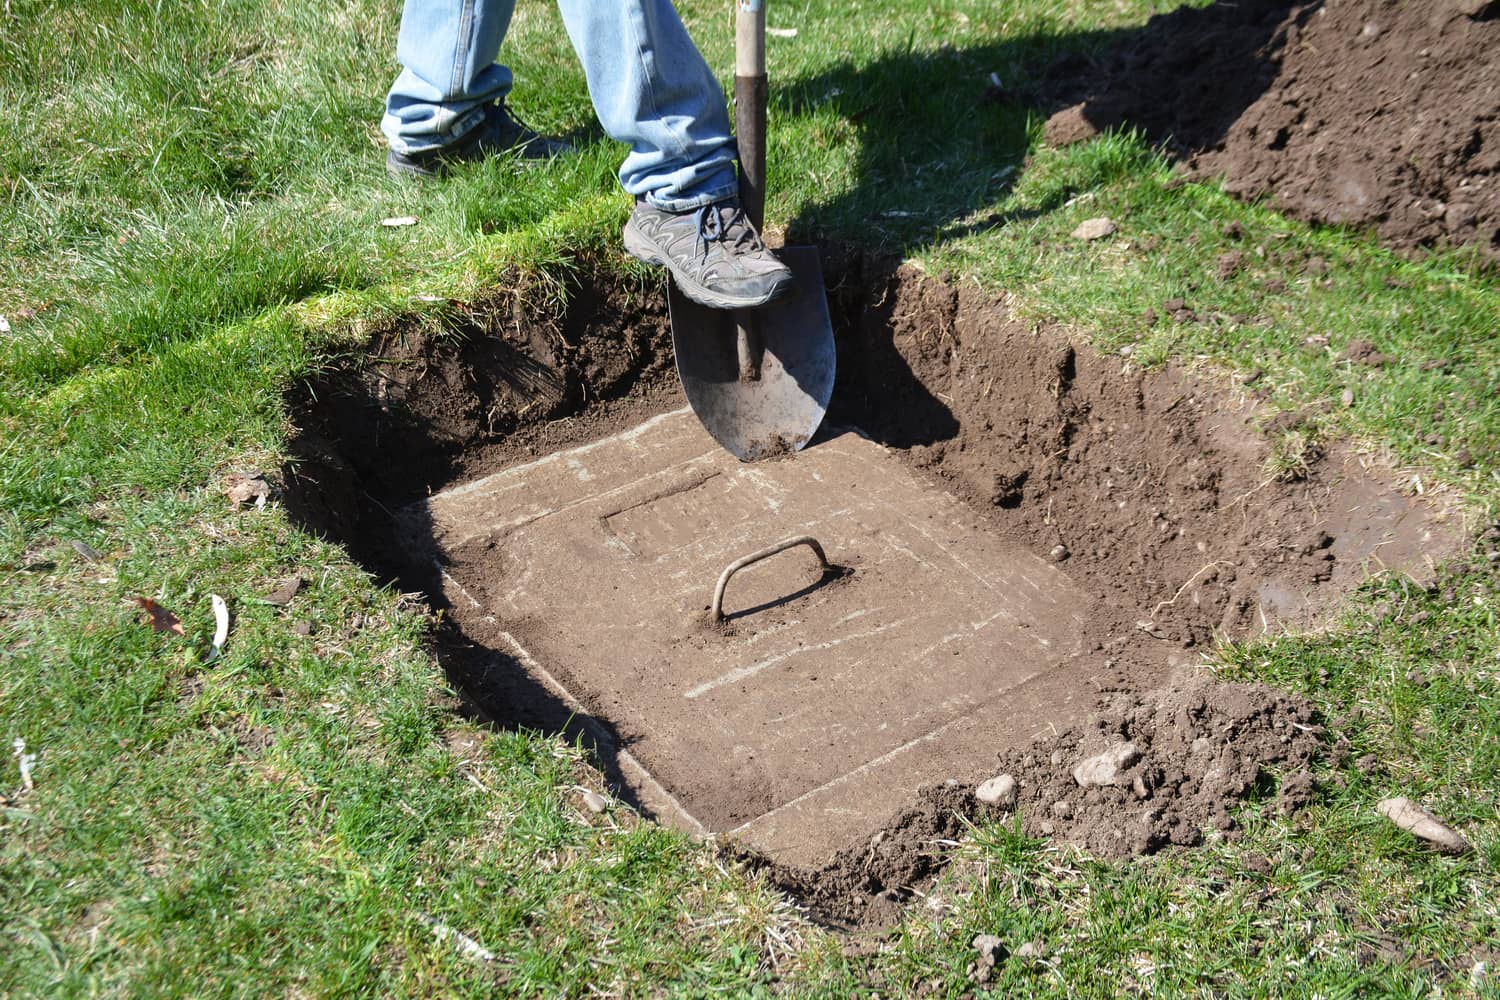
755,557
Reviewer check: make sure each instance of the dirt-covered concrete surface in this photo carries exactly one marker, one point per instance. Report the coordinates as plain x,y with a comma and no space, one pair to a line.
1149,490
1381,114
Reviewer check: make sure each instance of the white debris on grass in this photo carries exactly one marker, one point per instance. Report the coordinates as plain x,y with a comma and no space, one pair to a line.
399,221
25,762
221,626
465,945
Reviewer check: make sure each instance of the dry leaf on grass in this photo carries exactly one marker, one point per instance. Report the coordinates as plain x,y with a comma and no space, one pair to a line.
284,592
242,488
159,618
1418,822
86,550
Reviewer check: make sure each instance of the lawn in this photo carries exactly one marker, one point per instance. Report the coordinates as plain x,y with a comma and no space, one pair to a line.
192,225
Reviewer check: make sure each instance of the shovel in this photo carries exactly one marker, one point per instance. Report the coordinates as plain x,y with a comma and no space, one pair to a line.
758,380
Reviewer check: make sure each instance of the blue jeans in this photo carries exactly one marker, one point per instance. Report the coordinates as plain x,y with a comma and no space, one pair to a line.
650,86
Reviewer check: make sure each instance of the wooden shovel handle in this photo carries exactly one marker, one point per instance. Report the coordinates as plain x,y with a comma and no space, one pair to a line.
750,105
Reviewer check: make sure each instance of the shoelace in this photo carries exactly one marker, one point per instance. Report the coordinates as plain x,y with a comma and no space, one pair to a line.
712,228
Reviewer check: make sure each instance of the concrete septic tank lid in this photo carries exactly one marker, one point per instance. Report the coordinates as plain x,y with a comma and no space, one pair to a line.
822,704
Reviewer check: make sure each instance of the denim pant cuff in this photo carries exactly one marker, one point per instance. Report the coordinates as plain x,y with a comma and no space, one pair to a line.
690,202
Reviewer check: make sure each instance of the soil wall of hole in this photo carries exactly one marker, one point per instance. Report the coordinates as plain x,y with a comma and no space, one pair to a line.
1380,114
1150,488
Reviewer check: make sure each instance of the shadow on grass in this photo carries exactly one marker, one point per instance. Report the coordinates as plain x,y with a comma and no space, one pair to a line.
943,135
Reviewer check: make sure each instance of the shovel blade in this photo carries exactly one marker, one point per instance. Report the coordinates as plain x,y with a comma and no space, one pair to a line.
778,412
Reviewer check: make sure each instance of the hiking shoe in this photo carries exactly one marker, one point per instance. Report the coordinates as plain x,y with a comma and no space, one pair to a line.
713,252
499,133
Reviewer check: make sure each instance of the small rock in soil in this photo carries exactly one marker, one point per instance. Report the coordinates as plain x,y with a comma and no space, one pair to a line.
1347,398
1059,553
302,628
1095,229
999,791
1106,768
595,802
1420,823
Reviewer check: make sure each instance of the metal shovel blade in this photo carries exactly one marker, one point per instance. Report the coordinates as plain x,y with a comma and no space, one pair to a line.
776,413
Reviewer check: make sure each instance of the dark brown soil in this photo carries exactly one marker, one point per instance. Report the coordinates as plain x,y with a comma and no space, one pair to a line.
1381,114
1205,747
1150,489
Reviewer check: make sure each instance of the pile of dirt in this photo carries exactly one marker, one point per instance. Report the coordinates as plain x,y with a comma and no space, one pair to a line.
1187,754
1379,114
1180,758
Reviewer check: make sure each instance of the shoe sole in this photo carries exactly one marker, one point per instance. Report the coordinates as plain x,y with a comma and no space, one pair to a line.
642,249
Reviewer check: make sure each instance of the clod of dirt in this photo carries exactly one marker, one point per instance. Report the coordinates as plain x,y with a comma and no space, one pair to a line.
1296,791
1420,823
992,952
999,791
1370,113
1363,352
1229,265
1068,126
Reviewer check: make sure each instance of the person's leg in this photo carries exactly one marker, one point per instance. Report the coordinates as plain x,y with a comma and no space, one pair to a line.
652,90
447,49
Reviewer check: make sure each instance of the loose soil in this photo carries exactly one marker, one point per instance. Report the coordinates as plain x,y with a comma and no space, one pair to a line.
1149,490
1380,114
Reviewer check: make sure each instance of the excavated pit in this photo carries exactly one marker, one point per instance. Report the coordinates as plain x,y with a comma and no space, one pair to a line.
1033,543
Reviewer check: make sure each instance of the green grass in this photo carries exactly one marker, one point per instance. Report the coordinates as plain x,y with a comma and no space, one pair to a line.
190,212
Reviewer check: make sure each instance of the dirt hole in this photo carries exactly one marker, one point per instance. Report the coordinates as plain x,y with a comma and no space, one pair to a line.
1136,514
